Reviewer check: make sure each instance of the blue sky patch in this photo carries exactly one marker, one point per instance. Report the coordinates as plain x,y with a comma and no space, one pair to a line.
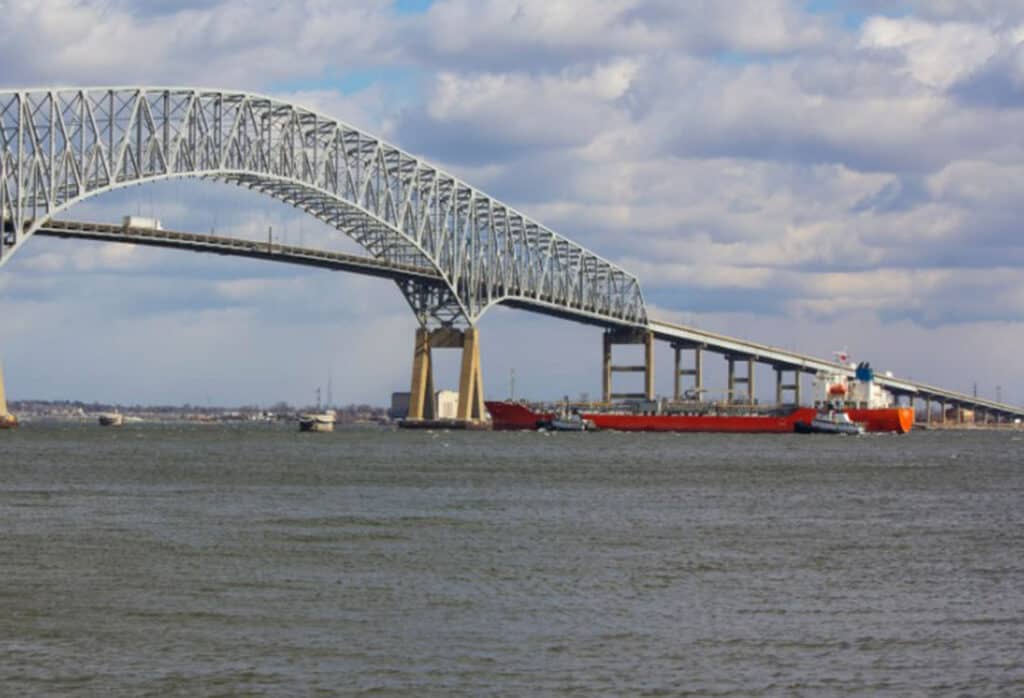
412,7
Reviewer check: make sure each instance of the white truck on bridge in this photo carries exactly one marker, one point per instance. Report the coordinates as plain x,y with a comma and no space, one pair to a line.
140,222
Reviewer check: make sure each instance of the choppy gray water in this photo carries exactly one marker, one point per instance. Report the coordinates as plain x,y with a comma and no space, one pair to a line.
161,560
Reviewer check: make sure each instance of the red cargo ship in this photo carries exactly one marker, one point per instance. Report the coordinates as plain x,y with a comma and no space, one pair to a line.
863,400
518,416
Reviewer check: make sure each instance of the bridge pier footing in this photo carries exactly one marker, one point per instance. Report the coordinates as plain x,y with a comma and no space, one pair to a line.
422,400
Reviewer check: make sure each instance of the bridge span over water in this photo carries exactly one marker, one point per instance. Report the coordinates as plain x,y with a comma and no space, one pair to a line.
788,365
453,250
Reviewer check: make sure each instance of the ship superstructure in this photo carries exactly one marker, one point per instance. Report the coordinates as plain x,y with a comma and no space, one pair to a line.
832,388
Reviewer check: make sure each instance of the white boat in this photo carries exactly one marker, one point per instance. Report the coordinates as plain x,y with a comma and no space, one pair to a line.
317,421
566,420
830,422
111,419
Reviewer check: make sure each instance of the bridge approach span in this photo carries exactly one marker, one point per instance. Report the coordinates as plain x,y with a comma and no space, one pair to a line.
785,360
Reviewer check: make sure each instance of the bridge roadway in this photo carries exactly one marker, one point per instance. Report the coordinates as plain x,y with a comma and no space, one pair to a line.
152,237
679,335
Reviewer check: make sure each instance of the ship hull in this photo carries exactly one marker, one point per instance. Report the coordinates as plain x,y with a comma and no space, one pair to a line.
517,416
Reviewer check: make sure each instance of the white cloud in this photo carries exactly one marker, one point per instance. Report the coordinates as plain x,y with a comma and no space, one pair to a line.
936,55
230,43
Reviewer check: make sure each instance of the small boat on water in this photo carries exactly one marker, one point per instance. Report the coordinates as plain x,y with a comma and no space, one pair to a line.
568,420
111,419
7,420
317,421
830,422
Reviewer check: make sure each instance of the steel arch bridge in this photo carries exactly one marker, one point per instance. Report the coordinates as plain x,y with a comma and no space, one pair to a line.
61,146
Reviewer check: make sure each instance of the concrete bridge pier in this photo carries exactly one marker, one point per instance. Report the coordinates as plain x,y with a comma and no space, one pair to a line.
781,387
471,384
421,393
627,337
696,373
471,392
735,380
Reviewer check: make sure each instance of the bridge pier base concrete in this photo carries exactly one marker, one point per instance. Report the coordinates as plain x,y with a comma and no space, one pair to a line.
422,402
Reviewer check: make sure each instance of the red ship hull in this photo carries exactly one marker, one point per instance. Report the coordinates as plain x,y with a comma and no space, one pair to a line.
517,416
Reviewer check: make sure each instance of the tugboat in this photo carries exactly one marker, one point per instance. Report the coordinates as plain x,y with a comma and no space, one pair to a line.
566,419
570,422
7,420
832,421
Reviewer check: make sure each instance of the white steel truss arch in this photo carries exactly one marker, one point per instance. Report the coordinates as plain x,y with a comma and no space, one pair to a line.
61,146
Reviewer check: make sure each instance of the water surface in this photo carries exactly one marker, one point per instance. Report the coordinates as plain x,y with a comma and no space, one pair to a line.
221,560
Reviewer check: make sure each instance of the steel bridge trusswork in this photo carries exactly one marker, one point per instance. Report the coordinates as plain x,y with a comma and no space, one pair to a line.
59,147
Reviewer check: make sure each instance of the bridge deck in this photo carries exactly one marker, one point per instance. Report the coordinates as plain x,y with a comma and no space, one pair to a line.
679,334
153,237
788,360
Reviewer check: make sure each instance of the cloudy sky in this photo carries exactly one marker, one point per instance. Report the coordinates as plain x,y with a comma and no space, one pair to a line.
814,174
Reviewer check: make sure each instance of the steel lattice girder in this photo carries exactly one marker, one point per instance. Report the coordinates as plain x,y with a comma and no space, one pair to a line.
58,147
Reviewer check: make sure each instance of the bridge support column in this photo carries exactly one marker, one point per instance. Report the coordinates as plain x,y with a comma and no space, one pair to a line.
649,366
614,337
471,386
697,372
421,394
735,380
422,402
781,387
